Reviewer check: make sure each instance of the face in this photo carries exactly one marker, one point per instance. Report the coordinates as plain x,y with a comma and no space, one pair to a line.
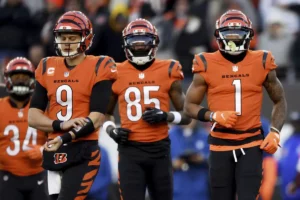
68,42
20,79
140,45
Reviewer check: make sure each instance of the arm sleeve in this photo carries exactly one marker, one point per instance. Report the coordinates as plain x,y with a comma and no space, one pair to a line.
106,70
39,72
100,96
200,65
270,62
39,98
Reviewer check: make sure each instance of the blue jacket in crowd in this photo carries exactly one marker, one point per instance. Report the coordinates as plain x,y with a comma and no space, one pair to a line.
287,165
193,183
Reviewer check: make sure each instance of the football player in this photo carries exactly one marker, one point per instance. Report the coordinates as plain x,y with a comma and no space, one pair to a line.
233,79
21,174
75,88
143,89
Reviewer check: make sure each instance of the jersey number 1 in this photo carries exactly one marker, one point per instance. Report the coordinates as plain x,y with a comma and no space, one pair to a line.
238,96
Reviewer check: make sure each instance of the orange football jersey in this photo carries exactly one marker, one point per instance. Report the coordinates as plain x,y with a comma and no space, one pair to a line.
69,90
237,87
15,136
137,90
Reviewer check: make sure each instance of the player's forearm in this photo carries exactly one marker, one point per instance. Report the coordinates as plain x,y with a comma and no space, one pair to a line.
279,113
38,120
97,119
178,118
192,110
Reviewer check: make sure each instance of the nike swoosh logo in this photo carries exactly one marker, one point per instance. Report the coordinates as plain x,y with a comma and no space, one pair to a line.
40,182
113,70
160,112
222,115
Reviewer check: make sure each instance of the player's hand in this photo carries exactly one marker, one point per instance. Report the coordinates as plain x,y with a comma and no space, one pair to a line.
119,135
53,145
225,118
154,115
271,143
74,123
34,153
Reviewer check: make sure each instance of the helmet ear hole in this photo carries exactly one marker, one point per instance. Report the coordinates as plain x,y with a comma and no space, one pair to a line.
216,34
251,33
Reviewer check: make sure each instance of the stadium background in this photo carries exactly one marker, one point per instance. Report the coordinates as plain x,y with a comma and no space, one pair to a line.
185,27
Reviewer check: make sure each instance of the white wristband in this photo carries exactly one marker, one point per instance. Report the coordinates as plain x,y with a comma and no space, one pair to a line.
177,117
107,124
275,129
298,166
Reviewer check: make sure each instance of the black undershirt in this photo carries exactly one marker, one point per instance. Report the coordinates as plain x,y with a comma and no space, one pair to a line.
14,105
234,58
142,67
69,66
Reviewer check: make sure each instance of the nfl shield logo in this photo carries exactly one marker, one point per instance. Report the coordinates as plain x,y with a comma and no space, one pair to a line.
235,68
20,114
141,75
66,74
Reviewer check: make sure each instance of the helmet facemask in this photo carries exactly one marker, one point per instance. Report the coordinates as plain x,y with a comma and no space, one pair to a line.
234,40
60,45
20,84
140,48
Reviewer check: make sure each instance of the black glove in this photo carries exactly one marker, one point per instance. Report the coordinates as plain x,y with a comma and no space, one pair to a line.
154,115
119,135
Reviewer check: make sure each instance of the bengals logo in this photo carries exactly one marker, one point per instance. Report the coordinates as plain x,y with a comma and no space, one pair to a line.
60,158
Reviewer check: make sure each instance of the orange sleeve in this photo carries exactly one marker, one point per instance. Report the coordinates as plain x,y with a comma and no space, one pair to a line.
269,178
200,65
270,62
107,70
175,71
39,72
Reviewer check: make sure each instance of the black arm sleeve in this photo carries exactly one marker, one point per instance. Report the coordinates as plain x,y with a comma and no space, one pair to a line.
39,98
100,97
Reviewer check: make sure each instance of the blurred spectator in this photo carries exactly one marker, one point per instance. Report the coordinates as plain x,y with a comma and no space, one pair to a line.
98,13
269,168
147,12
43,23
189,150
100,187
3,92
294,6
193,38
278,39
36,53
14,20
110,41
289,165
73,5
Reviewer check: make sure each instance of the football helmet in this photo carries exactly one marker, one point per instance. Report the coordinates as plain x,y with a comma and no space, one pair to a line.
73,22
20,86
140,41
234,32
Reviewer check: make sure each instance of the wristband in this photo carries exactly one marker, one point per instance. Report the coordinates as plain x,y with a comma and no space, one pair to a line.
177,117
66,137
275,129
211,116
56,125
107,124
201,114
